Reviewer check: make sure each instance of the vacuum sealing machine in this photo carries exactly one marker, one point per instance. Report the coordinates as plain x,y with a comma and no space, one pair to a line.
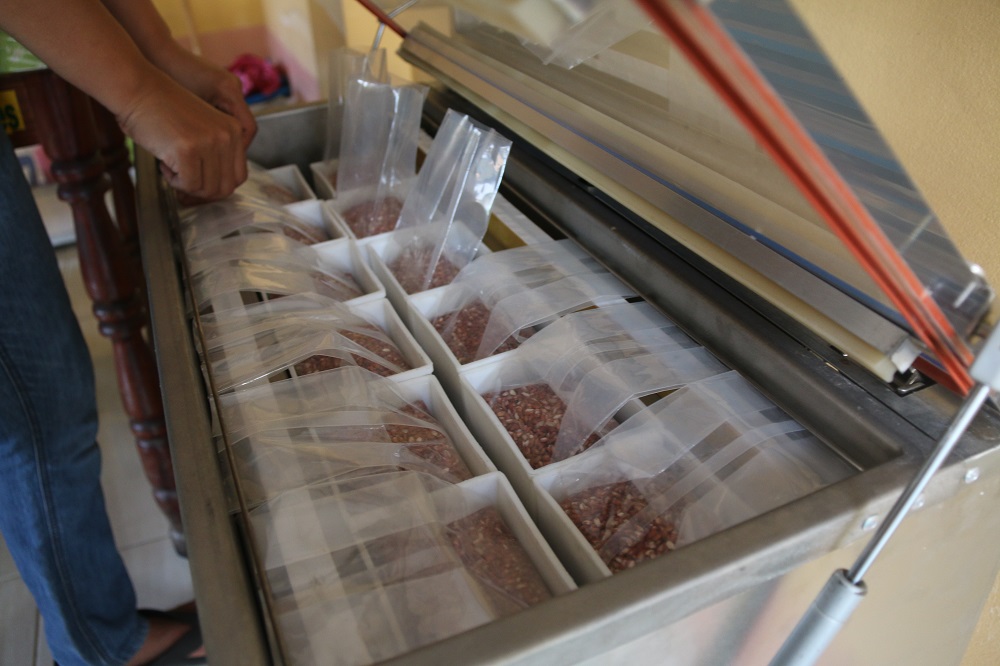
764,331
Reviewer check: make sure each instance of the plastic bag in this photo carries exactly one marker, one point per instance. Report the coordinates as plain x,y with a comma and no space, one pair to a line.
348,388
445,215
711,455
581,341
378,152
263,186
346,65
498,298
307,310
303,344
603,24
309,449
239,215
499,274
343,406
562,32
273,462
273,281
257,317
557,394
388,563
270,249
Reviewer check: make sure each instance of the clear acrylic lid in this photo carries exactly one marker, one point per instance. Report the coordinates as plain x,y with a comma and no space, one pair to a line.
730,105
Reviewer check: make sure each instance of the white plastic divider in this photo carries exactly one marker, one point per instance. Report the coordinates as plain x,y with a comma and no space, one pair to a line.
568,542
320,172
311,212
497,491
345,256
423,309
426,388
344,201
291,177
493,436
381,313
292,543
381,252
334,225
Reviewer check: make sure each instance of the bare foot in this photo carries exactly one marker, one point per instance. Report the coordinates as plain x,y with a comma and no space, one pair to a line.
163,632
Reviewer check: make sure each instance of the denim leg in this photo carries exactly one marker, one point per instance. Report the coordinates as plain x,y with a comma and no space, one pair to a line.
52,511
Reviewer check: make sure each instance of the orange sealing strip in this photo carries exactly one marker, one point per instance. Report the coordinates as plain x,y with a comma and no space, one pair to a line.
720,60
383,17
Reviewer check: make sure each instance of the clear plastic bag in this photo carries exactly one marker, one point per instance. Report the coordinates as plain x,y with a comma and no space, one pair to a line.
445,215
349,388
626,370
518,312
261,316
273,249
346,65
422,258
271,280
557,395
273,462
378,152
342,406
502,273
639,322
562,32
263,186
712,454
500,297
602,25
241,215
412,559
305,345
307,310
363,628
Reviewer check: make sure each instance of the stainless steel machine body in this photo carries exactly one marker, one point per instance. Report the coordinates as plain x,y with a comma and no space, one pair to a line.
731,598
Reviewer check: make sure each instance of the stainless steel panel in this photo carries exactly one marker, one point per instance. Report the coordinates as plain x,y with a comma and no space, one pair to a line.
295,135
224,589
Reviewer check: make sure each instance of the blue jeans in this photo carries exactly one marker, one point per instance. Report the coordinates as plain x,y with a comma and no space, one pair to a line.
52,512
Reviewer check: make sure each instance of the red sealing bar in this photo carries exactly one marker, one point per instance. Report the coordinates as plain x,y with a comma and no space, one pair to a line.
694,30
383,17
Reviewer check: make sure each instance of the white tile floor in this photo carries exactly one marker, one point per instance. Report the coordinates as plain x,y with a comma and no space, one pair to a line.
161,578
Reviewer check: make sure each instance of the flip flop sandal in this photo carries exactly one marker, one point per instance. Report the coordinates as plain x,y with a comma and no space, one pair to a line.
177,654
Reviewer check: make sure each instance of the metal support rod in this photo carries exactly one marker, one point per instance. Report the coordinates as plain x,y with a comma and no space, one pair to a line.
845,589
822,622
959,424
393,14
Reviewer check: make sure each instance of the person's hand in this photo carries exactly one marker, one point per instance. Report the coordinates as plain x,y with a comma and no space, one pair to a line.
213,84
201,149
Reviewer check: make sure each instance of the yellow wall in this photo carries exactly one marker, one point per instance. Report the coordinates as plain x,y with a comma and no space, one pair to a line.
211,15
362,26
929,75
290,22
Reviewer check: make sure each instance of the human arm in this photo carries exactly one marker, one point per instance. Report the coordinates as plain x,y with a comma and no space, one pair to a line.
200,147
213,84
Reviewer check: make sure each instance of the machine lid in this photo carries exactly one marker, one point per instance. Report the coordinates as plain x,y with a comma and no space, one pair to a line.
763,62
738,111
